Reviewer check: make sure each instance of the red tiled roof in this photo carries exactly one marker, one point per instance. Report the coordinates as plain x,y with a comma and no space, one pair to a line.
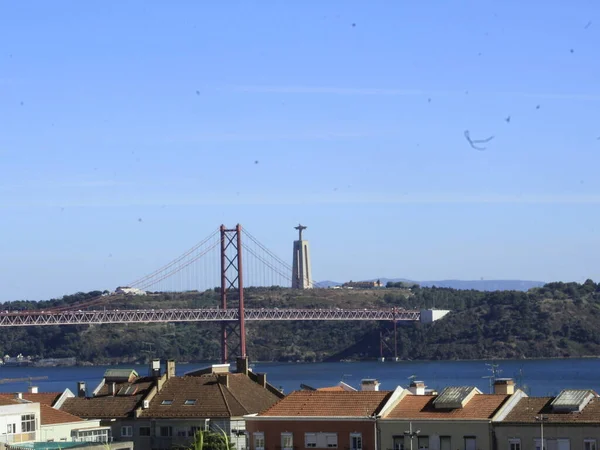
45,398
6,400
331,389
481,406
212,399
52,416
529,407
329,404
106,406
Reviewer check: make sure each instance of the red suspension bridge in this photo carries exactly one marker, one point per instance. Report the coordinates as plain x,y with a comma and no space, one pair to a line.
195,270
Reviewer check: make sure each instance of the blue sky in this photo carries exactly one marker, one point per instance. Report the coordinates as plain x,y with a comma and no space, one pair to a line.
115,111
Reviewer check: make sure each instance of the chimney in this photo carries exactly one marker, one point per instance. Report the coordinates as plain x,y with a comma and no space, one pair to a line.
33,389
170,368
504,386
81,389
417,388
223,378
155,368
369,384
262,379
112,388
242,365
18,395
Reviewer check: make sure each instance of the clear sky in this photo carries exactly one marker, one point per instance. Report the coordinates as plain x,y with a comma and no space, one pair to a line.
355,111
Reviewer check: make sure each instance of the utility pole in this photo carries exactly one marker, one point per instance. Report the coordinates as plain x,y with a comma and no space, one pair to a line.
541,419
411,434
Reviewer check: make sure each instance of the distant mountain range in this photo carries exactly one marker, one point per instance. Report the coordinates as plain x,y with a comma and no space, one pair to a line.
478,285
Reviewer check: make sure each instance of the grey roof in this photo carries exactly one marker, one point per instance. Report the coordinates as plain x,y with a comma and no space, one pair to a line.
120,374
572,399
453,396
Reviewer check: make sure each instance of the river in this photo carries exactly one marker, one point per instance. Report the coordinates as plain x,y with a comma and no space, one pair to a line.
540,377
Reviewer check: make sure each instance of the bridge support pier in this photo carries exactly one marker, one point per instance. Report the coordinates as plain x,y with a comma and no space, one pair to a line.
232,280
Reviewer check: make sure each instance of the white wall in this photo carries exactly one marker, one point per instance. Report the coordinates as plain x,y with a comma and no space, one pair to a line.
11,414
62,431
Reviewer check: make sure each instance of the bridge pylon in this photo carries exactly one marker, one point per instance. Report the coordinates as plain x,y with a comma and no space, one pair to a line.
232,282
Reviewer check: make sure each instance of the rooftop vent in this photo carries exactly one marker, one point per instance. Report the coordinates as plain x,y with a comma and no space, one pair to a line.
572,400
454,397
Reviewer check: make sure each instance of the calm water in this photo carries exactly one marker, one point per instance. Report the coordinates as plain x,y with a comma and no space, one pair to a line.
541,377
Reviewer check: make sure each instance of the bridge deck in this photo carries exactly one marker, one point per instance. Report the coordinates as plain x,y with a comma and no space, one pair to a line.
40,318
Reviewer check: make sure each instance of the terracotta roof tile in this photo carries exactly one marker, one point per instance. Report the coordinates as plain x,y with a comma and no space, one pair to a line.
45,398
53,416
6,400
481,406
329,404
529,407
106,406
212,399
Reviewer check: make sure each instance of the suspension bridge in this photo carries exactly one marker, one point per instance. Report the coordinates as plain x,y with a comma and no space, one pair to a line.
242,262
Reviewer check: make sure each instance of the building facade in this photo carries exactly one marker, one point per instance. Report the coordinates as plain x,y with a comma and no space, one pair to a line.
162,411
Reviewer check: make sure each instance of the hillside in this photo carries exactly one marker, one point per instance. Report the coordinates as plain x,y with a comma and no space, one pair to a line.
557,320
478,285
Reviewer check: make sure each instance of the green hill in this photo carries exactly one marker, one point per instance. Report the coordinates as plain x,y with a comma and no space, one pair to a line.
557,320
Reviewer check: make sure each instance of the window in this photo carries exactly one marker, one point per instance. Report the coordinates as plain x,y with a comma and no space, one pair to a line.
470,443
193,431
166,431
423,442
127,431
189,402
144,431
514,444
11,428
398,443
167,402
320,440
259,441
589,444
538,444
27,423
287,441
355,441
445,443
182,431
310,440
331,440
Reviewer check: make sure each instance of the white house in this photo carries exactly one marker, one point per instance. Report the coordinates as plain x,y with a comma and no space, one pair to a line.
19,422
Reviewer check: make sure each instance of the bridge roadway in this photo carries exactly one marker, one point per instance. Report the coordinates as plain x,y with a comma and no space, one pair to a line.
40,318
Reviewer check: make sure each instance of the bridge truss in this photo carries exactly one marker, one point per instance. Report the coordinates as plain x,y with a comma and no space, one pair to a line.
202,315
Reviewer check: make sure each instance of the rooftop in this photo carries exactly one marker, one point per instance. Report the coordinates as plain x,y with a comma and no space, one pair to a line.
481,406
329,404
107,406
205,396
51,416
529,407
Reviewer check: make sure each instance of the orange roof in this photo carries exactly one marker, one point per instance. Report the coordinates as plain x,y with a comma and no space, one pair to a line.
331,389
329,404
45,398
481,406
52,416
7,400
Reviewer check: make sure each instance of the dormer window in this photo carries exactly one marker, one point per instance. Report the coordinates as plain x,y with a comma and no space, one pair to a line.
189,402
167,402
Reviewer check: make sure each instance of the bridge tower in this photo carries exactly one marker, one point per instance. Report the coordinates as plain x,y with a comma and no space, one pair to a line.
301,269
232,286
